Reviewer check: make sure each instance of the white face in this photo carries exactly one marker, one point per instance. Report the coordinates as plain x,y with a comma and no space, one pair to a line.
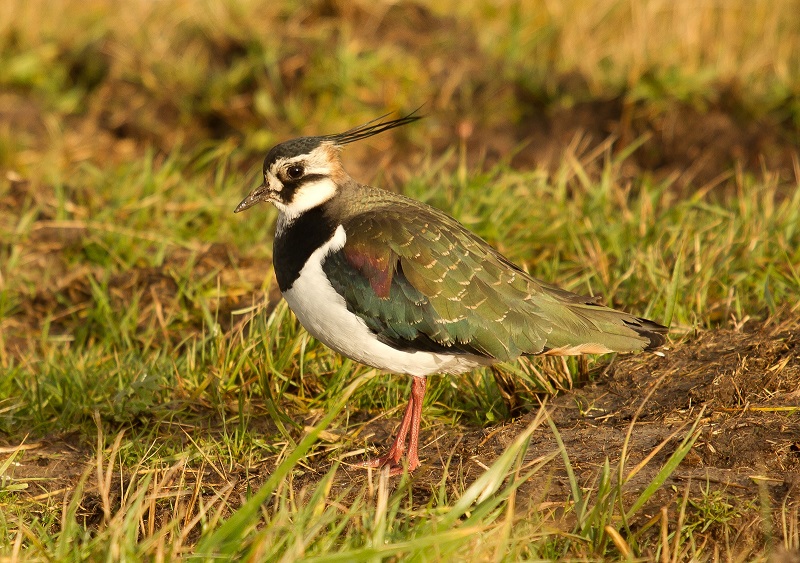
299,183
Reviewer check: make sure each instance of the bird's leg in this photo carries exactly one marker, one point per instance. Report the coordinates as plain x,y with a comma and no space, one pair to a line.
395,453
411,421
418,386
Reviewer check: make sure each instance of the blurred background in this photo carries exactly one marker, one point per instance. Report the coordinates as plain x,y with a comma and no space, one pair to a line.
703,86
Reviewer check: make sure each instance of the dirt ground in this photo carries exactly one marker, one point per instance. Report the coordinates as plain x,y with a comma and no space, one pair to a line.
741,387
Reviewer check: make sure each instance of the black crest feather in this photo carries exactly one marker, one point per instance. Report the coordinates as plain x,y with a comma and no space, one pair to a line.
304,145
370,128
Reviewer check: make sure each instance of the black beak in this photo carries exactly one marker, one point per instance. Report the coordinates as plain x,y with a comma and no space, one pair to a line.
261,193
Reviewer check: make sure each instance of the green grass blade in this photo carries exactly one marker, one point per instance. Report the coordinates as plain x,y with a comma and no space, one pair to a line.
227,539
674,288
580,504
669,467
489,482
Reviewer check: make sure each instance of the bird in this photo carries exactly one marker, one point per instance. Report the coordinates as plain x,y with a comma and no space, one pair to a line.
396,284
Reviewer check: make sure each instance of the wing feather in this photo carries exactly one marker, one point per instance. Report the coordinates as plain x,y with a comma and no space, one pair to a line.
420,280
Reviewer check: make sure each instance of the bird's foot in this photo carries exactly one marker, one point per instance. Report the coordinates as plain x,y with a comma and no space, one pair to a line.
410,424
392,460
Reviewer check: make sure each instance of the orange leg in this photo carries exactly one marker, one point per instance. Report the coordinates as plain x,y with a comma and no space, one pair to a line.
411,421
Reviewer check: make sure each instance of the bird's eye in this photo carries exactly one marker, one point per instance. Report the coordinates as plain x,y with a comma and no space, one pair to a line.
295,172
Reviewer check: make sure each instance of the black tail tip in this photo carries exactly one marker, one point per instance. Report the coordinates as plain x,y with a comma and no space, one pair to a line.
654,332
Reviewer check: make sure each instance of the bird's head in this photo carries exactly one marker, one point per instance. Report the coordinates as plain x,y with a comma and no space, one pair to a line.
303,173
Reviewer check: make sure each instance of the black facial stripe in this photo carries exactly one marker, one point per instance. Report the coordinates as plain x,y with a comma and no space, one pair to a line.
297,242
291,186
294,184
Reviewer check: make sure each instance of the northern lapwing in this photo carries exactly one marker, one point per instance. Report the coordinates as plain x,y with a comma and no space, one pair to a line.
396,284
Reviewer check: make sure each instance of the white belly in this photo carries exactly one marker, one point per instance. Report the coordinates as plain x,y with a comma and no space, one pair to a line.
323,313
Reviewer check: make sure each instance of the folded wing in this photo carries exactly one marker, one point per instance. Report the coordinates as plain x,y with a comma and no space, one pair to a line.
420,280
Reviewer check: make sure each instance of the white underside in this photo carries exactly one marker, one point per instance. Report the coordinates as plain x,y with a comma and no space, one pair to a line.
323,313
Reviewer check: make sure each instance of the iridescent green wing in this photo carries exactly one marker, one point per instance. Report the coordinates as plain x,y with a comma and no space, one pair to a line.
419,280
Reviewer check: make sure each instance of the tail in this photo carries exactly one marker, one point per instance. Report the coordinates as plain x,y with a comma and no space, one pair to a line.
654,332
582,326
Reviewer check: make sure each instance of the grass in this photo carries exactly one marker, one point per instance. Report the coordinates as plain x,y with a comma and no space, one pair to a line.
142,346
310,524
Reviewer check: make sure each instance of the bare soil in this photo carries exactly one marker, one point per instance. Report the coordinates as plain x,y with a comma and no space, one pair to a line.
742,386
